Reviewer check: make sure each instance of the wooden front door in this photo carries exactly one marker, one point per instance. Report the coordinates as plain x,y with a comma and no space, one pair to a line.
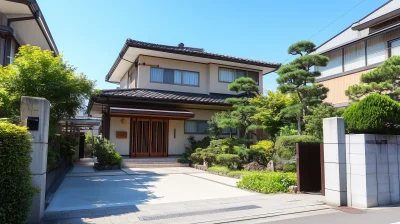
149,137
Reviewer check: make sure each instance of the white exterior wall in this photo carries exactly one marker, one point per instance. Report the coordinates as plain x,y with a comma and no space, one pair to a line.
121,145
176,146
373,170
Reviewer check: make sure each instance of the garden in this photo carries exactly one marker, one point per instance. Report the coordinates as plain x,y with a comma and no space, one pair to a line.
256,140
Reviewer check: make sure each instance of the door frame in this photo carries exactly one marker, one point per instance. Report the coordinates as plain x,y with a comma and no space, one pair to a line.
133,143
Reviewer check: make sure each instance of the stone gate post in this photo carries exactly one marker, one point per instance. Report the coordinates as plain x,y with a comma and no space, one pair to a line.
335,161
35,114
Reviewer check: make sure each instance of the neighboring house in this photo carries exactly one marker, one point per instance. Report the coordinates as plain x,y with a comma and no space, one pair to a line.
359,49
167,93
22,22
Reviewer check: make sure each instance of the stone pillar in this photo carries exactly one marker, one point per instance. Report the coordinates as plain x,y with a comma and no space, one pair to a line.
35,114
335,161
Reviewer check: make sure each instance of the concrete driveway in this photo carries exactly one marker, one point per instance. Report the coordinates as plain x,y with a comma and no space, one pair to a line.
167,195
138,186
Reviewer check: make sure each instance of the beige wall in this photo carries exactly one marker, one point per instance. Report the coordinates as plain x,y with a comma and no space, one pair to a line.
208,76
177,145
121,145
133,73
144,74
339,85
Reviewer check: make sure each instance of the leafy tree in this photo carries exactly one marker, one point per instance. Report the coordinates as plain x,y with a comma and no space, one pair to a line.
384,79
298,78
242,111
269,109
41,74
313,121
219,121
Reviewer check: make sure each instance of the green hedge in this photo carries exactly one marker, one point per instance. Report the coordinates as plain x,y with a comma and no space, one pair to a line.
375,114
286,145
16,188
267,182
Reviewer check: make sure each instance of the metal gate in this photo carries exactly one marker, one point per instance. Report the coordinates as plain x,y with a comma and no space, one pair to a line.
310,167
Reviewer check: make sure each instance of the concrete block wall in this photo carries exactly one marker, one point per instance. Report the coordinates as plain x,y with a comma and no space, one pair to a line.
372,170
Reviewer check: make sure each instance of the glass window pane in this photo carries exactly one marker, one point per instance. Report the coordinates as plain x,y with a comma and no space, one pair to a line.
376,51
190,126
395,48
227,75
334,65
253,75
354,56
177,76
202,127
168,76
190,78
240,74
156,74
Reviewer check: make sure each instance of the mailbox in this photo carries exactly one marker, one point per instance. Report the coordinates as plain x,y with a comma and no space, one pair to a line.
32,123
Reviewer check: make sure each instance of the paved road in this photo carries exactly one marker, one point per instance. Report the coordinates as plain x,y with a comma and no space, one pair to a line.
387,215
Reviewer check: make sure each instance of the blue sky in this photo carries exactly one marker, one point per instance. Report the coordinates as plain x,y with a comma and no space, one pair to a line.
91,33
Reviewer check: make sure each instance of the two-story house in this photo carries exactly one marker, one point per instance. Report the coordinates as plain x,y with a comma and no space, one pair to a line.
358,49
22,22
166,94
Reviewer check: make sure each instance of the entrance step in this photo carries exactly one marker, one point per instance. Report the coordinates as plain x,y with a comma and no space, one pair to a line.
152,162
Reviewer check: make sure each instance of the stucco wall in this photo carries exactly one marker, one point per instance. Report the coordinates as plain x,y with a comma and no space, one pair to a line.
208,76
176,146
121,145
144,74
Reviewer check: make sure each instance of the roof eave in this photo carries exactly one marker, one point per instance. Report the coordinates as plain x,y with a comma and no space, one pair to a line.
130,43
34,7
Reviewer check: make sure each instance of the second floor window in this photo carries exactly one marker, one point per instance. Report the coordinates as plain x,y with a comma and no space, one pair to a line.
173,76
230,75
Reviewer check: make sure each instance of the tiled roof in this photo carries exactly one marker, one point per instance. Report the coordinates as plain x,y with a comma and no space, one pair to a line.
189,51
198,52
171,96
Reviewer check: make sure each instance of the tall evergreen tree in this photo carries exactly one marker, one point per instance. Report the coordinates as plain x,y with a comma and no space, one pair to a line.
298,77
384,79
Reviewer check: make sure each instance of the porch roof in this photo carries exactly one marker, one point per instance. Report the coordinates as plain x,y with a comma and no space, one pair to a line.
152,113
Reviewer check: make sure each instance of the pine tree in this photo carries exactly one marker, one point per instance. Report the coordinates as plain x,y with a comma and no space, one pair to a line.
384,79
298,78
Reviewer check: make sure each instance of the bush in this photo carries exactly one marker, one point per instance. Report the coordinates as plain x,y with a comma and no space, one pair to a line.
67,148
196,158
267,182
89,138
105,152
51,159
228,160
262,152
375,114
224,145
286,145
16,188
289,167
194,144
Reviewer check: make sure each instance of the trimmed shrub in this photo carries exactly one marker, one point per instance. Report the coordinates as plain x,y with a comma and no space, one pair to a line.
289,167
105,152
286,145
267,182
16,188
375,114
228,160
194,144
196,158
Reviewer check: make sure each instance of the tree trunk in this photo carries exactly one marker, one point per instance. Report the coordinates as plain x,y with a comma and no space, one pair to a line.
299,125
230,132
